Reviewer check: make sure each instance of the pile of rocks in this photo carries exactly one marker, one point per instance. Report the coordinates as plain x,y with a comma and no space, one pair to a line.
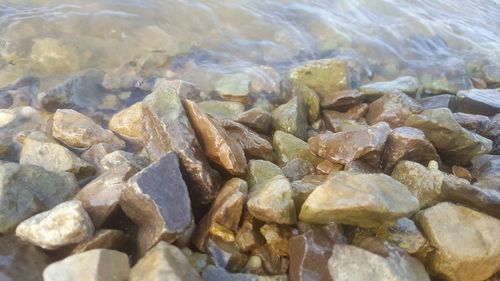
308,181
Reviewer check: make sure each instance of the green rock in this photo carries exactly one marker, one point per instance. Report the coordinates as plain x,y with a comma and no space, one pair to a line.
291,117
260,171
406,84
234,87
263,104
311,99
289,147
222,109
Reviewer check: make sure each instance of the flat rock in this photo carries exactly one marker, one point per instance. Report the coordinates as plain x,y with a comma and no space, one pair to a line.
326,167
393,108
467,242
289,147
260,171
103,239
297,169
157,200
438,101
342,100
163,262
406,84
222,109
128,123
65,224
478,101
291,117
366,200
257,119
21,261
95,265
234,87
218,144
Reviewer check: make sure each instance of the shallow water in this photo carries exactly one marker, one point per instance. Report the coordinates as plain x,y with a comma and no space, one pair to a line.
199,40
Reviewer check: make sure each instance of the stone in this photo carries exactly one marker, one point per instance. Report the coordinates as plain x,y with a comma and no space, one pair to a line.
342,100
277,237
326,167
226,255
289,147
406,143
366,200
185,89
478,124
472,253
310,99
353,264
169,129
272,201
213,273
248,237
103,239
303,187
438,101
198,260
406,84
21,261
309,253
40,150
461,172
345,147
272,262
261,171
362,167
393,108
257,119
95,265
486,169
408,237
324,76
297,168
219,146
119,158
454,143
291,117
234,87
346,121
50,56
128,123
95,153
222,109
163,262
65,224
478,101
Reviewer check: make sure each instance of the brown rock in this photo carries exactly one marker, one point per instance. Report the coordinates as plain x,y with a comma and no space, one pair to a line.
257,119
218,145
102,239
297,168
248,236
342,100
185,89
326,167
273,263
95,153
461,172
478,101
393,108
128,123
156,199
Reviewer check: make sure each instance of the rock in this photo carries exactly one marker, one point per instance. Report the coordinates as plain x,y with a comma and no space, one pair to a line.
309,253
393,108
361,166
272,201
119,158
346,121
366,200
472,253
103,239
95,153
21,261
277,237
297,169
345,147
310,99
257,119
254,146
324,76
461,172
95,265
406,143
289,147
185,89
291,117
42,151
478,124
163,262
225,211
222,109
65,224
326,167
438,101
272,263
219,146
128,123
226,255
169,129
260,171
408,237
406,84
486,169
198,260
454,143
51,56
477,101
352,263
342,100
303,187
248,237
156,199
213,273
234,87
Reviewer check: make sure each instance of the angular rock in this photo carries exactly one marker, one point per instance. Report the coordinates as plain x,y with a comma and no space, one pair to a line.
297,169
272,262
260,171
103,239
477,101
163,262
303,187
407,236
406,84
345,147
169,129
438,101
156,199
95,265
486,169
226,255
128,123
185,89
21,261
65,224
478,124
277,237
467,242
454,143
289,147
119,158
366,200
95,153
257,119
291,117
342,100
393,108
345,121
222,109
234,87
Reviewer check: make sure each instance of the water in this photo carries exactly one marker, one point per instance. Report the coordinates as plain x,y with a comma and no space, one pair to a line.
201,40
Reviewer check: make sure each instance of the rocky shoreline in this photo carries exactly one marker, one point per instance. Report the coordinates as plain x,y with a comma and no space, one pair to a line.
305,178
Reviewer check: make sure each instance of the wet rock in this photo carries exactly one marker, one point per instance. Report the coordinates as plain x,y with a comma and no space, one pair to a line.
353,263
393,108
234,87
222,109
65,224
326,167
361,166
472,253
260,171
169,129
454,143
219,146
345,147
478,124
366,200
310,99
95,265
42,151
21,261
477,101
346,121
406,143
272,201
128,123
226,255
103,239
291,117
406,84
342,100
257,119
289,147
438,101
248,237
156,199
297,168
213,273
309,253
185,89
50,56
486,169
163,262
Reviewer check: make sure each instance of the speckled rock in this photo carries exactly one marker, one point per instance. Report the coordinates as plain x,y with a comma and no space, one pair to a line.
406,84
234,87
291,117
393,108
477,101
289,147
257,119
222,109
128,123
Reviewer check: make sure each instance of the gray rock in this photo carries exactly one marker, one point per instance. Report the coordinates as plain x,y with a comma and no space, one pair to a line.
406,84
222,109
477,101
257,119
438,101
21,261
297,169
486,169
234,87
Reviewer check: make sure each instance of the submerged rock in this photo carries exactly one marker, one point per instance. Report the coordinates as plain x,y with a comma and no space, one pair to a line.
21,261
257,119
222,109
438,101
476,101
393,108
310,99
128,123
234,87
406,84
289,147
291,117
